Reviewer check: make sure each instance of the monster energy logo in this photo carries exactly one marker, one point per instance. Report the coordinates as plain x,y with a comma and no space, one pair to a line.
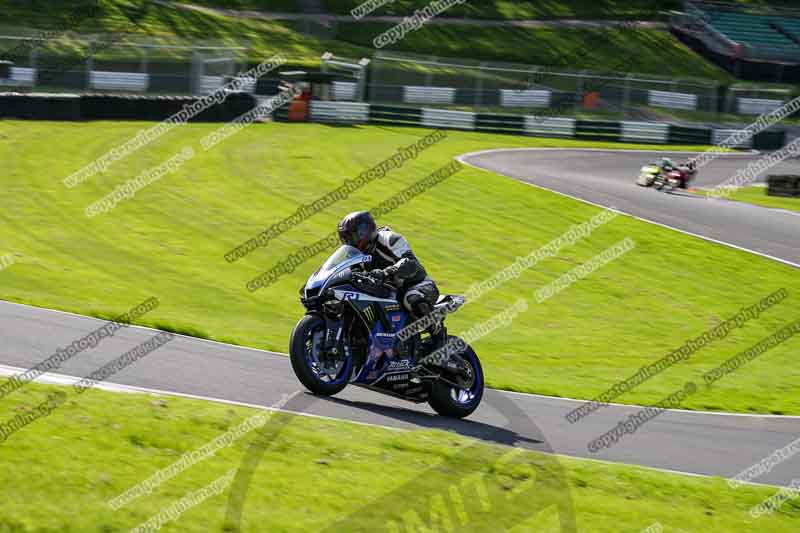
369,312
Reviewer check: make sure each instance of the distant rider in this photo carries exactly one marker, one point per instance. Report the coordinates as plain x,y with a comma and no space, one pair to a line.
667,165
689,171
393,262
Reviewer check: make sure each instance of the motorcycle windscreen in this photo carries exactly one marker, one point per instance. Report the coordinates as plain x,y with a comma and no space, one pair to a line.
343,254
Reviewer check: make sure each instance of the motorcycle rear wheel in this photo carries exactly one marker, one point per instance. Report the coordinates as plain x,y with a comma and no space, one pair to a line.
450,401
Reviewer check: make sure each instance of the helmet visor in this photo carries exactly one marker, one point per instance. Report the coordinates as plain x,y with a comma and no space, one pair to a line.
358,236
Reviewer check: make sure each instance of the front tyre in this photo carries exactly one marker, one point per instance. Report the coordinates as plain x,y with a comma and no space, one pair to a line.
319,375
451,401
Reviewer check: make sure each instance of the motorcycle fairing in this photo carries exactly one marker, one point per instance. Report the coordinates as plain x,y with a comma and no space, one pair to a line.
384,367
383,318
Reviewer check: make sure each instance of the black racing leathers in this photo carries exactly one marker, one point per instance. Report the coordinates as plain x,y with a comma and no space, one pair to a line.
393,255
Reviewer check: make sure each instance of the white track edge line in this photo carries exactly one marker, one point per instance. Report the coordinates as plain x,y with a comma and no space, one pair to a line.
52,378
65,379
501,391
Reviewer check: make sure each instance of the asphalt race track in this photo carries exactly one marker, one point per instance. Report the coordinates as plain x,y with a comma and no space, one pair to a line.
701,443
690,442
607,177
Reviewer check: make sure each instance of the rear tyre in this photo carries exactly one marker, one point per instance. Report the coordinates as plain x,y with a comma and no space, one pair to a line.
304,349
458,403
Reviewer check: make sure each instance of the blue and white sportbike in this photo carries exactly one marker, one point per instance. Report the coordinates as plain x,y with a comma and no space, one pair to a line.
350,335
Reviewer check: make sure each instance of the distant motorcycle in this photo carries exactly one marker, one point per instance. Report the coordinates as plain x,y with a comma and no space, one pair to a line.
648,174
667,181
678,178
349,335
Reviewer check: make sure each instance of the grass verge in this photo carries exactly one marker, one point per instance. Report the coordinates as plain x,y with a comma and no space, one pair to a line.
169,241
317,474
758,196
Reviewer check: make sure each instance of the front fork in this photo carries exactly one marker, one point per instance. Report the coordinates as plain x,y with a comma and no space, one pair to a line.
331,344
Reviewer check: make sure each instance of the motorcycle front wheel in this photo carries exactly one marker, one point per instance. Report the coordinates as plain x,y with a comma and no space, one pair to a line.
318,373
454,402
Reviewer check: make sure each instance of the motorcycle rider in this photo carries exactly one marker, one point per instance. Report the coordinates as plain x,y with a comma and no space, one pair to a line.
667,165
393,262
688,171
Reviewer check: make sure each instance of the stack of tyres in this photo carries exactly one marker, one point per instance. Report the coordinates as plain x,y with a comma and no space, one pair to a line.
40,107
784,185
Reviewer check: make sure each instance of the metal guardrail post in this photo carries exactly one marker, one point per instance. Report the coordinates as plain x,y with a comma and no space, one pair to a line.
374,81
579,89
429,74
626,96
194,73
715,102
34,57
89,65
145,60
479,87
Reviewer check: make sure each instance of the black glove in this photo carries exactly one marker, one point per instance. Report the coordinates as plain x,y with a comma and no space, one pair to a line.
372,283
378,276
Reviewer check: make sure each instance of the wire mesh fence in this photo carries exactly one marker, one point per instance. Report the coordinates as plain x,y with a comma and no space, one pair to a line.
115,62
124,63
485,86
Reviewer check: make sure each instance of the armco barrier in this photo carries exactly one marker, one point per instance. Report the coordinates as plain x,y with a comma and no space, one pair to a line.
413,94
687,135
442,118
670,100
550,127
23,75
524,98
598,130
118,81
499,123
157,81
155,108
344,90
721,135
757,106
340,112
783,185
395,114
647,132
